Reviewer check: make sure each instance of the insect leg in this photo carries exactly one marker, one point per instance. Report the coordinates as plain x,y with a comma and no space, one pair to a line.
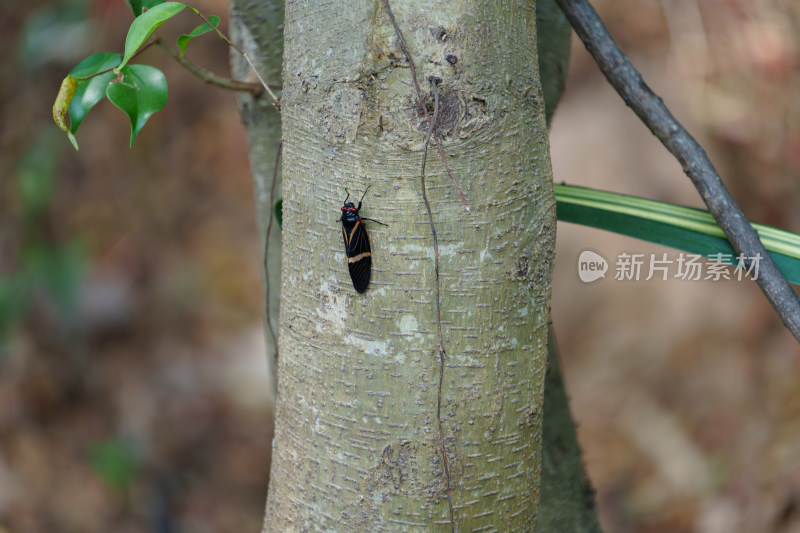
373,220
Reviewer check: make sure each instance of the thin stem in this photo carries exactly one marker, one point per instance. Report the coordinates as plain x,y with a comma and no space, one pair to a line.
650,108
211,78
139,51
242,52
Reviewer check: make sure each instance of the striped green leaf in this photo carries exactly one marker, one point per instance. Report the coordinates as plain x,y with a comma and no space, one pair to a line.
684,228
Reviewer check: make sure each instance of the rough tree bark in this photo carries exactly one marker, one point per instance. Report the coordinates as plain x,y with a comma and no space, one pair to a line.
567,500
357,443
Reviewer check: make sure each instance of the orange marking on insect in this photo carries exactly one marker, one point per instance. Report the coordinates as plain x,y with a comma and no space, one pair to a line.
359,257
348,237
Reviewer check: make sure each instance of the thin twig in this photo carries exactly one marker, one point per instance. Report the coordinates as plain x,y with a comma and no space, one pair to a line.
266,267
651,110
242,52
211,78
139,51
431,124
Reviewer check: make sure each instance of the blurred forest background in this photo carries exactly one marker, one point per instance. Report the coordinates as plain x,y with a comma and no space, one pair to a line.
134,390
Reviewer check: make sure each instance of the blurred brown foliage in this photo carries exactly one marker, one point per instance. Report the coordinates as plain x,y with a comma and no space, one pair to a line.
148,408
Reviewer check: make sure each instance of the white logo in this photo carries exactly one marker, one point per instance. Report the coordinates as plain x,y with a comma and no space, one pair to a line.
591,266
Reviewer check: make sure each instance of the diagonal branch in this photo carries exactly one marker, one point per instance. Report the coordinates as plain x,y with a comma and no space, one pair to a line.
244,54
628,82
209,77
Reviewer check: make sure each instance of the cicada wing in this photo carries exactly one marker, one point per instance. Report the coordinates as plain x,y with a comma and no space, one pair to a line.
359,255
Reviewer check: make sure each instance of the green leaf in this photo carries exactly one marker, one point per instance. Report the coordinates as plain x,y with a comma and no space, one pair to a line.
145,24
90,92
684,228
279,212
95,63
139,6
184,38
73,140
76,96
141,92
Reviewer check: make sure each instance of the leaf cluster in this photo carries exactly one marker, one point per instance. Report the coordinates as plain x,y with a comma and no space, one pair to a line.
138,90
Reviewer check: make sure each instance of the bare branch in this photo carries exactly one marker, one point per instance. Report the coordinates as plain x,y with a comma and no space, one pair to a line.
224,37
211,78
651,110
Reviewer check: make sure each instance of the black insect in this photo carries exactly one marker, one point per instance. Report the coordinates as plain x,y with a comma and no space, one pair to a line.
356,243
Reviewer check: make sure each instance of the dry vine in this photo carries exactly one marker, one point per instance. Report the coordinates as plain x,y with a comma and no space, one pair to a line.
434,81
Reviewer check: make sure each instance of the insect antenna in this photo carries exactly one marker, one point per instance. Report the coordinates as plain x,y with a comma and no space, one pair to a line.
363,195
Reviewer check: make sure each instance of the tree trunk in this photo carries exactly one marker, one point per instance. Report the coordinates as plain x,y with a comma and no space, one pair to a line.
357,443
566,502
